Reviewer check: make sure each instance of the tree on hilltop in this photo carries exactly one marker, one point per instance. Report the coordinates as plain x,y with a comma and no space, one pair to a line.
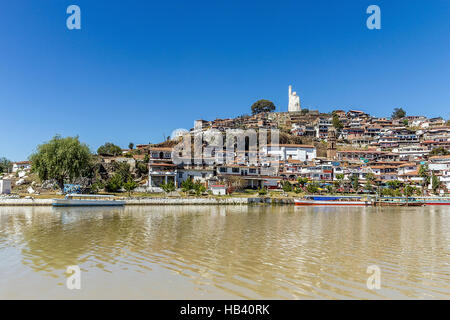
262,106
109,149
398,113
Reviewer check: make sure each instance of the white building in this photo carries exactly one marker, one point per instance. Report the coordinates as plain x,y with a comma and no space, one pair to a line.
218,189
411,152
196,174
284,152
21,165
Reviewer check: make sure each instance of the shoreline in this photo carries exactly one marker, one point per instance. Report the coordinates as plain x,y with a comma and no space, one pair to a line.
162,201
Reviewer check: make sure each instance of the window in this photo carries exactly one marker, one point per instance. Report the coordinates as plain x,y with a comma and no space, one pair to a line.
235,170
252,170
203,175
222,169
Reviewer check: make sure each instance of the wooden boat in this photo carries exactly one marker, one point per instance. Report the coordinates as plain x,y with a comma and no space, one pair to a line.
436,201
332,201
398,204
300,202
87,200
414,201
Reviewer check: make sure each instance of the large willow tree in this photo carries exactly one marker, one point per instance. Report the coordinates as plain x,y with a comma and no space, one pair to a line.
62,159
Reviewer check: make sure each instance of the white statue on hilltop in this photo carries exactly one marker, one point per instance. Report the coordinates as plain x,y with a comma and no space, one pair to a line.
294,101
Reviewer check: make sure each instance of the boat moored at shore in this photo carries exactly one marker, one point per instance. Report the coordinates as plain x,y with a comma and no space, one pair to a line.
87,200
333,201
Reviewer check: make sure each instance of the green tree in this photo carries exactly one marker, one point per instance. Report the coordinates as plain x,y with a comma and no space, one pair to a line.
355,182
109,149
305,111
337,124
424,174
435,184
393,184
122,169
409,191
129,186
62,159
370,178
302,181
398,113
5,165
439,151
142,168
262,106
131,145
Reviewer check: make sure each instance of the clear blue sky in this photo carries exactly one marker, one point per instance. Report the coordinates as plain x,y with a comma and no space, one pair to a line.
139,69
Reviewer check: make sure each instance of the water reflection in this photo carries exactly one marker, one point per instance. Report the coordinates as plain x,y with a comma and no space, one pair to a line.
225,252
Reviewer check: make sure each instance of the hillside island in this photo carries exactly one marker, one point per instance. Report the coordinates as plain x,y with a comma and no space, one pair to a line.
345,152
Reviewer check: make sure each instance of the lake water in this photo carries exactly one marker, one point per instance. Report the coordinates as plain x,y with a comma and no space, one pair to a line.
227,252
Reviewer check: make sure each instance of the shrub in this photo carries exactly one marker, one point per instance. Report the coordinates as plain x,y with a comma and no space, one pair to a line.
262,191
287,186
302,181
168,187
199,188
187,185
312,187
96,187
114,183
129,186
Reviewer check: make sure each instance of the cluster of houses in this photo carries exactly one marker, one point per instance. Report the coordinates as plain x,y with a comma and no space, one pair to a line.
296,161
401,161
359,129
389,149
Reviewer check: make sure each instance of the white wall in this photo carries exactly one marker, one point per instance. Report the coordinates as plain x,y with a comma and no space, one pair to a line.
5,186
294,153
196,175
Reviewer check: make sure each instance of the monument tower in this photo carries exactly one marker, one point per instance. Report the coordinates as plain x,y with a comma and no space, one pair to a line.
294,101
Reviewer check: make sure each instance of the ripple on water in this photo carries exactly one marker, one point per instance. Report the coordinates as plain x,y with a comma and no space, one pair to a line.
228,252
